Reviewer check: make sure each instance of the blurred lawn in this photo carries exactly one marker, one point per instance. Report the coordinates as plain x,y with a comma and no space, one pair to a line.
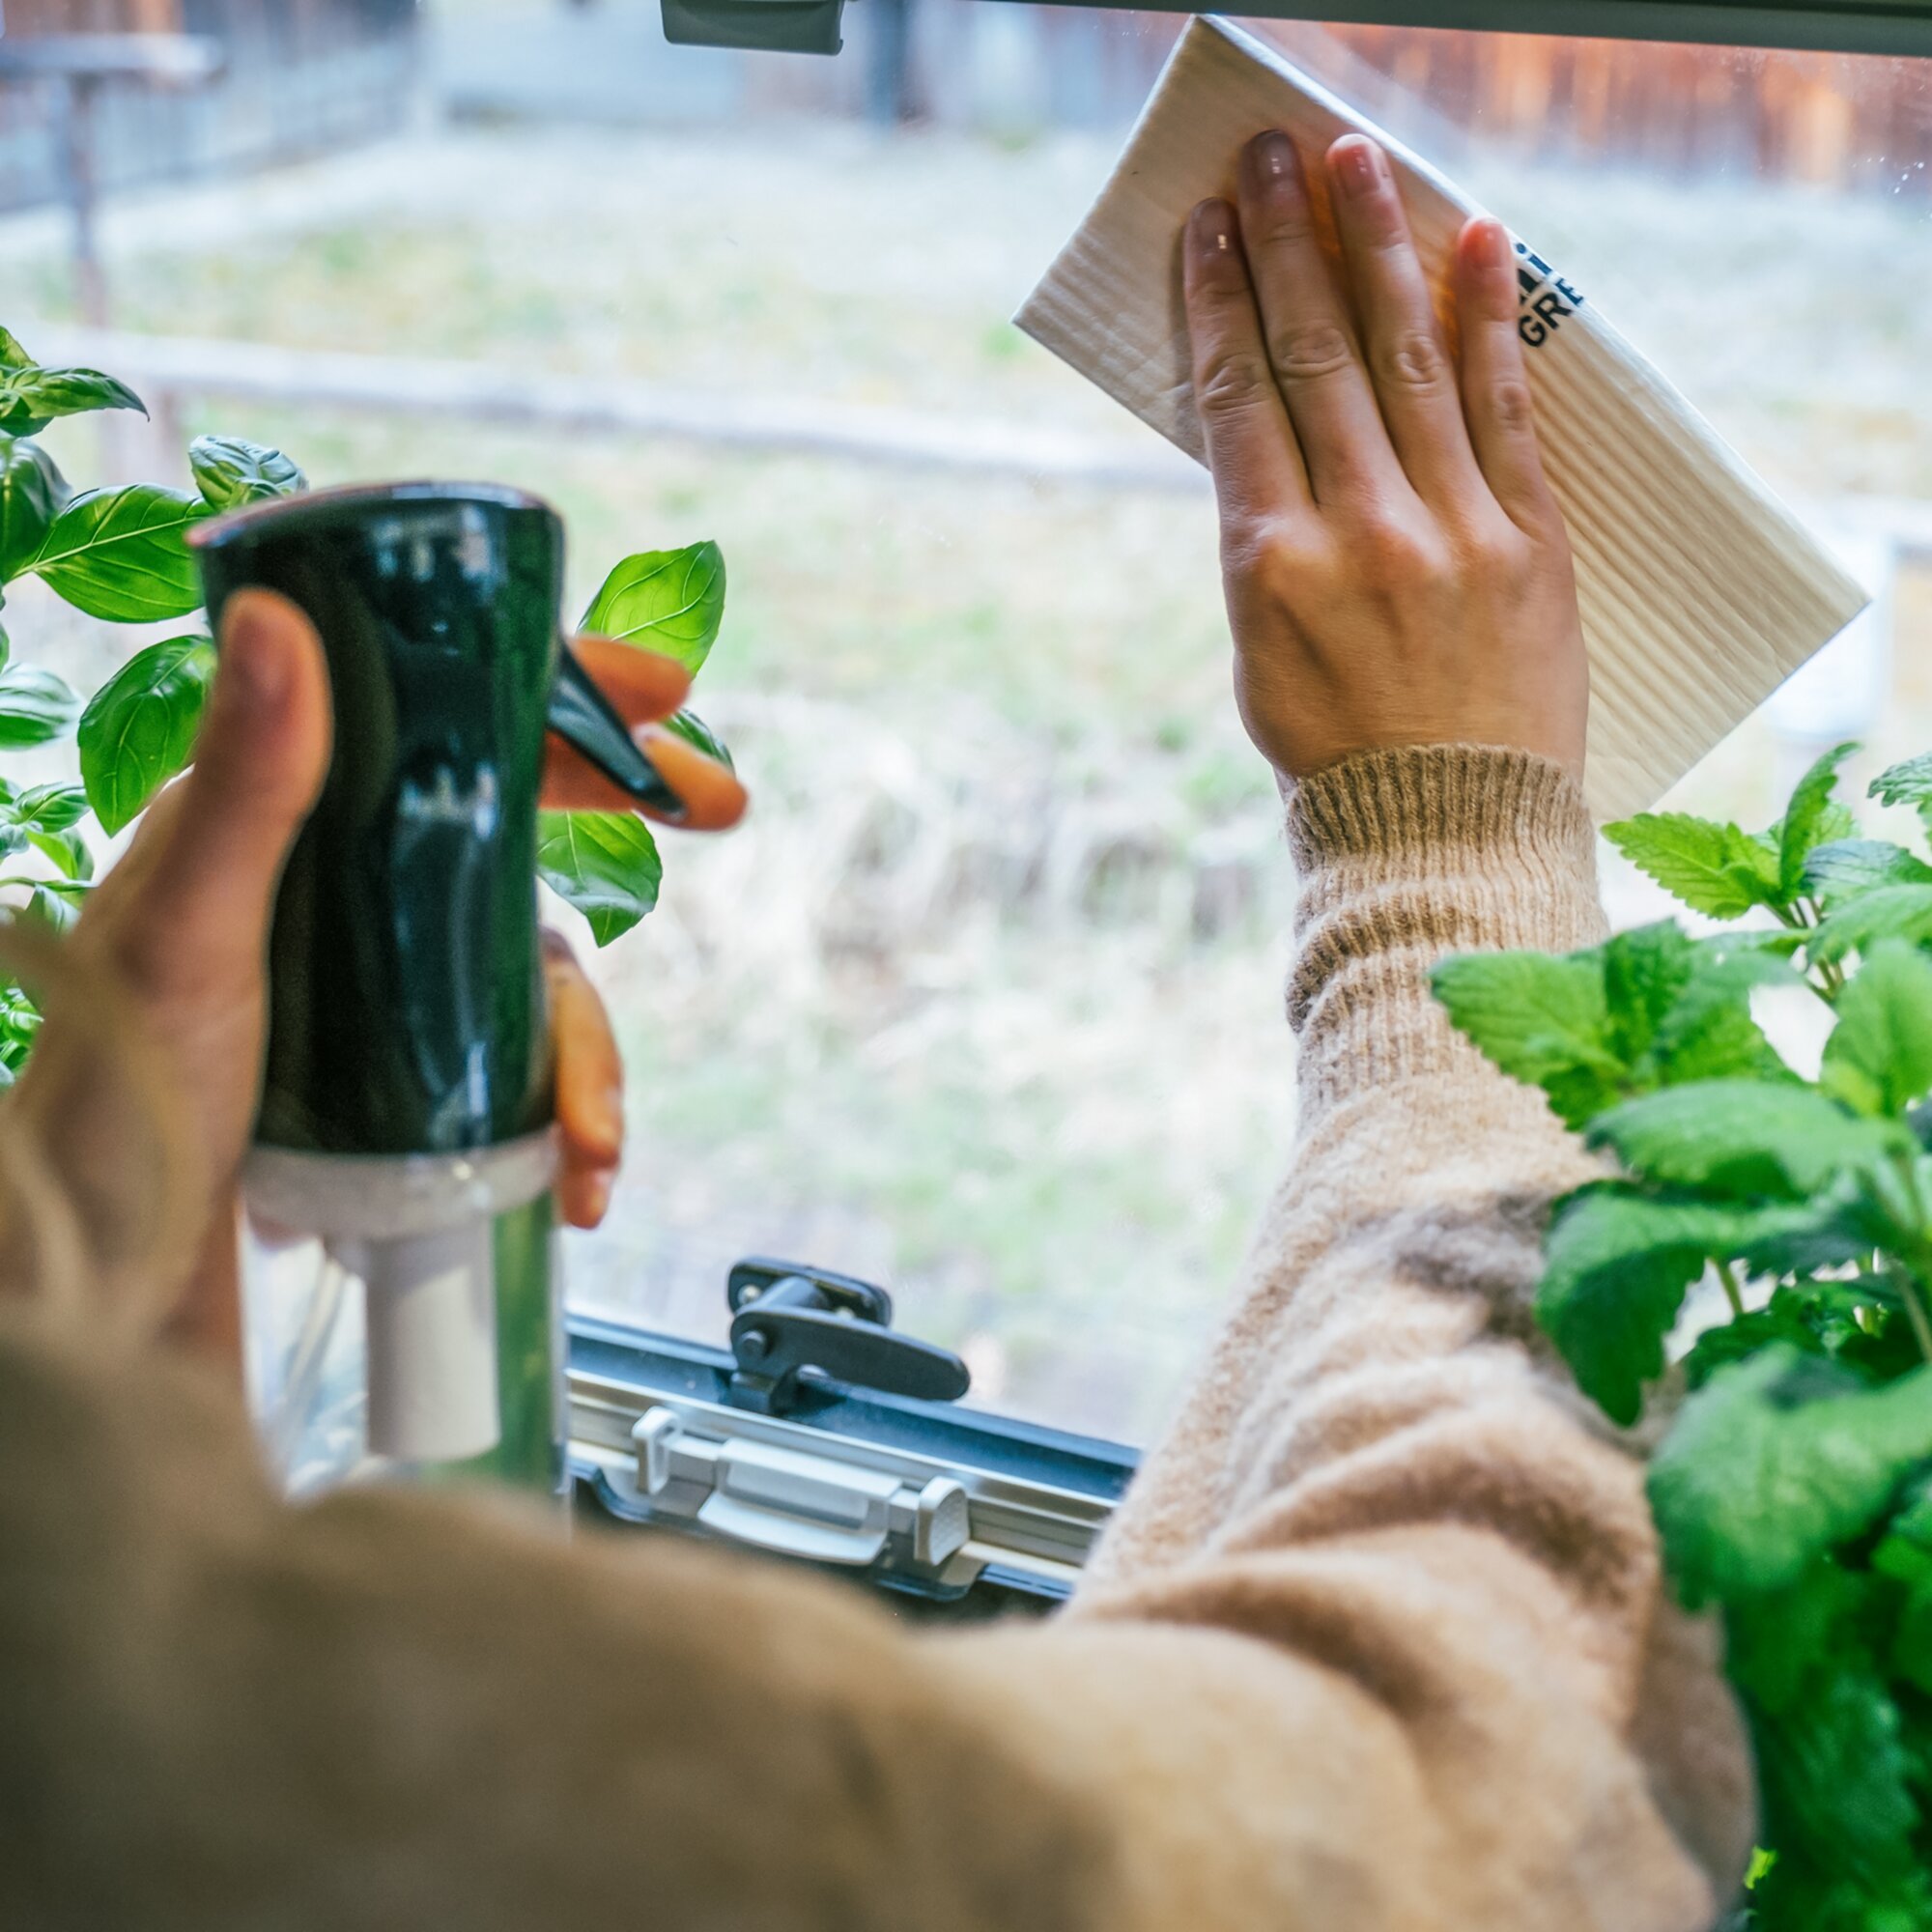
986,998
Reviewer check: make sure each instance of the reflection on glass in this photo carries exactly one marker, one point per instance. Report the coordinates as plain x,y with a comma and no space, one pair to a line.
984,999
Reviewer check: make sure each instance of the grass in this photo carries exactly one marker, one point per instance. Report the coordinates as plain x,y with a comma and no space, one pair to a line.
986,998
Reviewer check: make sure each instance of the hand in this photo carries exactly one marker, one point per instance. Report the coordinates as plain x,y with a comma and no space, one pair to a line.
181,924
1396,567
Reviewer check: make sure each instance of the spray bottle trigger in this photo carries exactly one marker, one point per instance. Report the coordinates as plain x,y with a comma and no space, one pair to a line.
584,717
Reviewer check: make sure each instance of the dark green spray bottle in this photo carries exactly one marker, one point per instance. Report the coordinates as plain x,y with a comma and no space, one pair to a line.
406,1108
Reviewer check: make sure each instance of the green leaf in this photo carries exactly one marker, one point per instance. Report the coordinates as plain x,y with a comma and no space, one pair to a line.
1745,1137
693,731
119,553
670,601
1845,868
12,354
35,708
1646,971
1879,1055
138,729
605,864
51,908
32,397
32,491
1775,1462
1908,783
1809,820
1543,1020
69,852
1617,1265
1713,868
43,807
1780,1321
1886,912
1709,1033
230,472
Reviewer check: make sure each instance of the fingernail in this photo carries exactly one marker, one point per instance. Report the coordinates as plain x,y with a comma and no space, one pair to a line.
1214,226
1492,245
254,669
1359,165
1275,162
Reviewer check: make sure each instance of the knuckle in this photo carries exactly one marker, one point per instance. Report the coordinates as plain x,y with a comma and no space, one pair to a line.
1308,352
1412,359
1229,381
1510,405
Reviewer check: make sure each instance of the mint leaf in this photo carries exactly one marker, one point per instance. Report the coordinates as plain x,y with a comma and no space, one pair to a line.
1848,867
1745,1137
1713,868
120,554
1908,783
1617,1265
230,472
1781,1320
138,729
1886,912
670,601
1543,1020
605,864
1810,820
32,491
1646,971
1879,1055
1775,1462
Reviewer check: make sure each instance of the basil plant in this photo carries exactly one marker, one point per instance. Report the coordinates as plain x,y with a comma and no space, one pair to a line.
119,554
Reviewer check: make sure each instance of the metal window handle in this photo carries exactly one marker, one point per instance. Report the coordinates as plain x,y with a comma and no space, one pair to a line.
787,1319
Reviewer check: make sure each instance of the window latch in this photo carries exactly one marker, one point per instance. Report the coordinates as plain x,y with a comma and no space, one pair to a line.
798,1504
788,1320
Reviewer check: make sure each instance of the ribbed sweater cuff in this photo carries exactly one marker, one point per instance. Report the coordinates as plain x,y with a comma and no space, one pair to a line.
1418,799
1405,857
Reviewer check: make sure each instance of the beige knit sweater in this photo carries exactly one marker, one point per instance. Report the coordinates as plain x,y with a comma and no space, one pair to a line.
1378,1641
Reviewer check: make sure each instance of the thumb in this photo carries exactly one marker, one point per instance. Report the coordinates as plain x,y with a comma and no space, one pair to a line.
259,763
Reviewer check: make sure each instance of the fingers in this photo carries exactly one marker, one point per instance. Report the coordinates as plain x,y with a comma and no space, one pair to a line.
1408,358
642,685
1251,446
1495,387
713,798
1305,320
589,1087
198,905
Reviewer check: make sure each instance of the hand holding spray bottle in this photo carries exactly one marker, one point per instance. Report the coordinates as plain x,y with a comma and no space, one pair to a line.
406,1110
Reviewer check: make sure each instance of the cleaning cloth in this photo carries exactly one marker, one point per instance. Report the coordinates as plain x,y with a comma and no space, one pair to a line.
1700,592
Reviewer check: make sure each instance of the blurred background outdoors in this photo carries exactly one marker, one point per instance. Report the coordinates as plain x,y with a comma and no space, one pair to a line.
984,1001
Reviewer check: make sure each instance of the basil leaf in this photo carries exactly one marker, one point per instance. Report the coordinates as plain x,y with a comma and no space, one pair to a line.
670,601
69,852
35,708
32,397
605,864
230,470
43,807
32,494
12,354
138,729
119,553
693,731
1710,868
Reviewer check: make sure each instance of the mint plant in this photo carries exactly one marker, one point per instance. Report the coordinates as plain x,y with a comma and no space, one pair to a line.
1792,1487
119,554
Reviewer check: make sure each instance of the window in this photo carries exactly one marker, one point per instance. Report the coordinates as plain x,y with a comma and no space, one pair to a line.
984,1001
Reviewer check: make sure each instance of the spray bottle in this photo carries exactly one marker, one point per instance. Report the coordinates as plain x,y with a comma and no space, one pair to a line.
406,1110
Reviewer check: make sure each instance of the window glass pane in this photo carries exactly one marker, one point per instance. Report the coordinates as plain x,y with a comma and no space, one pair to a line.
984,999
